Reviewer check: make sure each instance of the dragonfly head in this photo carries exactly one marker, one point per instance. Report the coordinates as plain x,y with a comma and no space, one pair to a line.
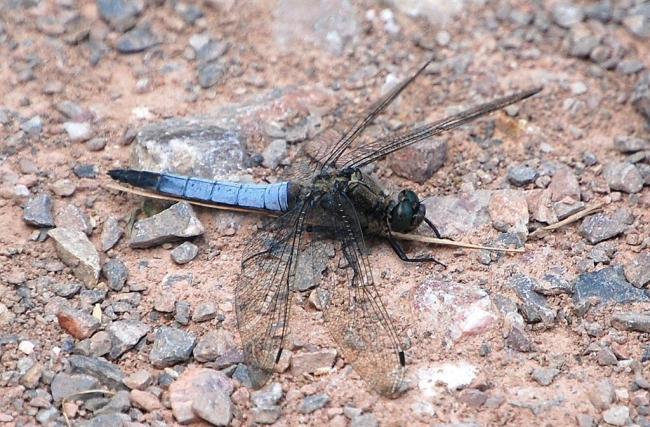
408,213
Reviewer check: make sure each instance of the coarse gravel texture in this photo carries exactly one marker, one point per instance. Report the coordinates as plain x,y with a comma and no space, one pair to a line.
557,335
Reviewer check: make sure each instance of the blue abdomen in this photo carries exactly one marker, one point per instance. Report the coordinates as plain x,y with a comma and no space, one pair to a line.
272,197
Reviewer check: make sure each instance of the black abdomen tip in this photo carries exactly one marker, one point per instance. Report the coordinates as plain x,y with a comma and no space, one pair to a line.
142,179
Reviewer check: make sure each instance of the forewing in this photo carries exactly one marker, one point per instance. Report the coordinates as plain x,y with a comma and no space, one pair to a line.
333,142
262,293
367,153
352,308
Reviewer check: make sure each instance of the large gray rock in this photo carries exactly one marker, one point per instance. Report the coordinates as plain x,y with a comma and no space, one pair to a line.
77,252
459,215
177,222
189,147
65,385
609,286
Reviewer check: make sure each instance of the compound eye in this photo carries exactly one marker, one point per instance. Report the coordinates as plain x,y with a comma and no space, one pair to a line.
408,195
402,217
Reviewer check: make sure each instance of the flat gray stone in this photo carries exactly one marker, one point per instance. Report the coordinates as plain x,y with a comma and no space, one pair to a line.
111,233
177,222
38,211
64,385
125,334
171,346
623,176
630,321
106,372
136,40
78,253
121,15
116,273
313,403
190,147
184,253
599,227
534,306
74,218
609,286
459,215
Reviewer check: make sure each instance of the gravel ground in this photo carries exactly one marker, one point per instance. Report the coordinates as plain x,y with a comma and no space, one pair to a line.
101,290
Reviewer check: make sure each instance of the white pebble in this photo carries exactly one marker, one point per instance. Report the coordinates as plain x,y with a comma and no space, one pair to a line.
26,347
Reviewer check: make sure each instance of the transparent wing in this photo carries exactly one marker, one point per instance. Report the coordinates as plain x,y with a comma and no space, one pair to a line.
328,146
367,153
352,308
262,294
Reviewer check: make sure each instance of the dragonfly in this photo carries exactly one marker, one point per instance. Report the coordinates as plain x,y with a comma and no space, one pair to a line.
328,198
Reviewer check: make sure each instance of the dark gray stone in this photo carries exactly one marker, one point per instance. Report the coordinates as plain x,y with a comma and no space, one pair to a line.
107,373
599,227
629,321
567,15
120,402
116,273
171,346
107,420
67,289
182,312
85,171
210,74
136,40
65,385
38,211
533,306
184,253
111,233
211,51
204,312
641,96
553,284
522,175
609,286
125,334
623,176
120,14
313,403
177,222
92,296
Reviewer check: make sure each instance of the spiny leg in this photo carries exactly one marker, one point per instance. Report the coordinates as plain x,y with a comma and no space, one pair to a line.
402,255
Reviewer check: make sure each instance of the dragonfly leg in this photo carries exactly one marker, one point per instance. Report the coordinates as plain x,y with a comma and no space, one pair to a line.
399,250
433,227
